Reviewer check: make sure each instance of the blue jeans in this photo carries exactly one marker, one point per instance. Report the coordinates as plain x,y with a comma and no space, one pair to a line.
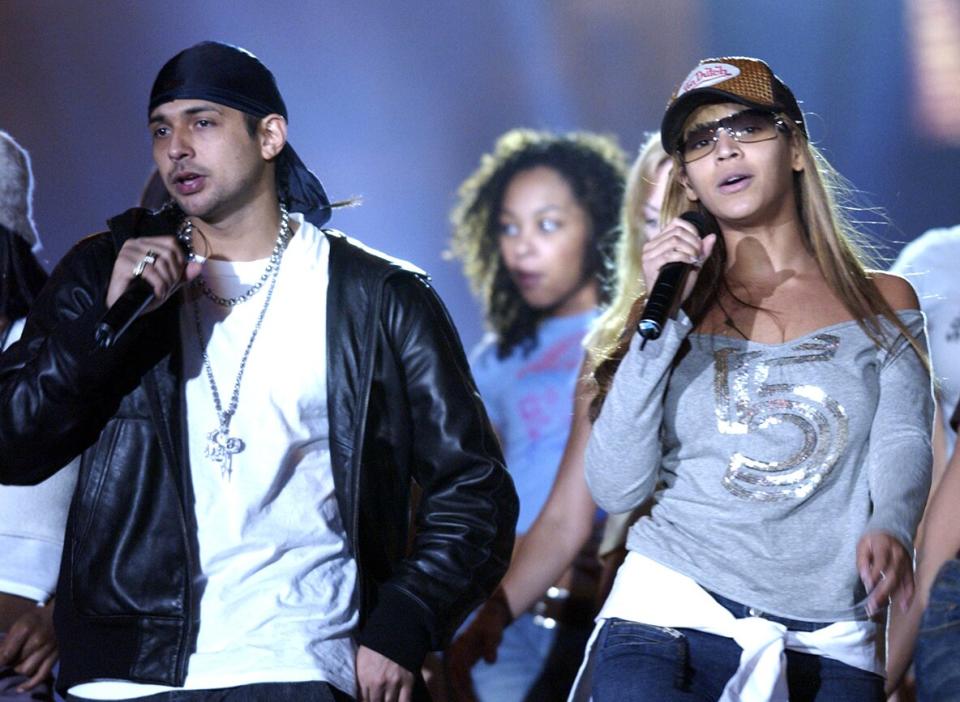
937,658
260,692
533,663
639,662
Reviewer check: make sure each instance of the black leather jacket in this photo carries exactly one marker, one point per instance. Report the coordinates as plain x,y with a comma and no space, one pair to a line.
402,407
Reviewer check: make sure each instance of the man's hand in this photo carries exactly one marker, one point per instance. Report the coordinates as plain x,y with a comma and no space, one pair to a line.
379,679
30,646
886,570
159,260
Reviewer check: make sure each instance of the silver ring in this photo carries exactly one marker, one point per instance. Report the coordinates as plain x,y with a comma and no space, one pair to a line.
148,259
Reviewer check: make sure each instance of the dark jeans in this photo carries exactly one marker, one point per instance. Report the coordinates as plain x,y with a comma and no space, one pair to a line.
937,658
10,680
261,692
639,662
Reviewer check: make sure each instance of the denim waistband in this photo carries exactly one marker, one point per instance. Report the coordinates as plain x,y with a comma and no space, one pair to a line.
741,610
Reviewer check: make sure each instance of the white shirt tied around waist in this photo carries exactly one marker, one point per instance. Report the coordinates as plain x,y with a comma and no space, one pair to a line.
650,593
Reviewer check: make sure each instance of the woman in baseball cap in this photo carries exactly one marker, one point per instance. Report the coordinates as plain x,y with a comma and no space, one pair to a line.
782,418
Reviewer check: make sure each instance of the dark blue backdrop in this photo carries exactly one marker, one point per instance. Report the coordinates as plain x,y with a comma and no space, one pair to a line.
395,101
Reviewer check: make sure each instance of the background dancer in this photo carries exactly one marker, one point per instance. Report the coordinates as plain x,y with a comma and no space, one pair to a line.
541,558
536,227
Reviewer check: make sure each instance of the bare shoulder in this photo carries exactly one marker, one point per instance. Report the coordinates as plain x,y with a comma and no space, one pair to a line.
896,290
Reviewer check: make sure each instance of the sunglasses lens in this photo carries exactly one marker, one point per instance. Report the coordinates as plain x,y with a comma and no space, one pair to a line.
698,142
747,126
752,125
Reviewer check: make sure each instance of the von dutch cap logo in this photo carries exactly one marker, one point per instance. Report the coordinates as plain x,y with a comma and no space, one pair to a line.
707,74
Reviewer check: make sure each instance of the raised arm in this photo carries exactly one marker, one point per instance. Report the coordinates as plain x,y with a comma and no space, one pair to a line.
53,383
57,389
624,451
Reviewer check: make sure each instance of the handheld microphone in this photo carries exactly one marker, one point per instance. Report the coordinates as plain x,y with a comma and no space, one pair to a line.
668,286
130,305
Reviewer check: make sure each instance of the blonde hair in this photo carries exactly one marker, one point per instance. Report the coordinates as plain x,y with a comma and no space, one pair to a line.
628,279
610,335
823,200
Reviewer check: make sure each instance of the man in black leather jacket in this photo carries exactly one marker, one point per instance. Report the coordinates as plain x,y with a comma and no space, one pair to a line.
400,402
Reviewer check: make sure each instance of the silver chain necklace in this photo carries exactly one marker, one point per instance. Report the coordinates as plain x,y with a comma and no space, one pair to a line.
186,236
221,447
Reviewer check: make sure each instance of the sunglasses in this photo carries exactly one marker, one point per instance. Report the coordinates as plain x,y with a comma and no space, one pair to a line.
746,127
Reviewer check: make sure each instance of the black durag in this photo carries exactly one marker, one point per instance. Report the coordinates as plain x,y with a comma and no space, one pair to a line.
231,76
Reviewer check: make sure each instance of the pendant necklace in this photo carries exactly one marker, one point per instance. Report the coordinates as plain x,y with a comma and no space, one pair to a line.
728,320
221,446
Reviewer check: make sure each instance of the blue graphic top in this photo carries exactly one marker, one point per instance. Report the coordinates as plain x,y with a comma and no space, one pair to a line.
530,402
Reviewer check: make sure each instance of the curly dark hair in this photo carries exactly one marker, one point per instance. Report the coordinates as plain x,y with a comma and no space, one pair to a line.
595,168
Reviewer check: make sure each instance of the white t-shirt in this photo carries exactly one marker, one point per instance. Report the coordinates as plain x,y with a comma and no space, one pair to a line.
279,589
931,262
